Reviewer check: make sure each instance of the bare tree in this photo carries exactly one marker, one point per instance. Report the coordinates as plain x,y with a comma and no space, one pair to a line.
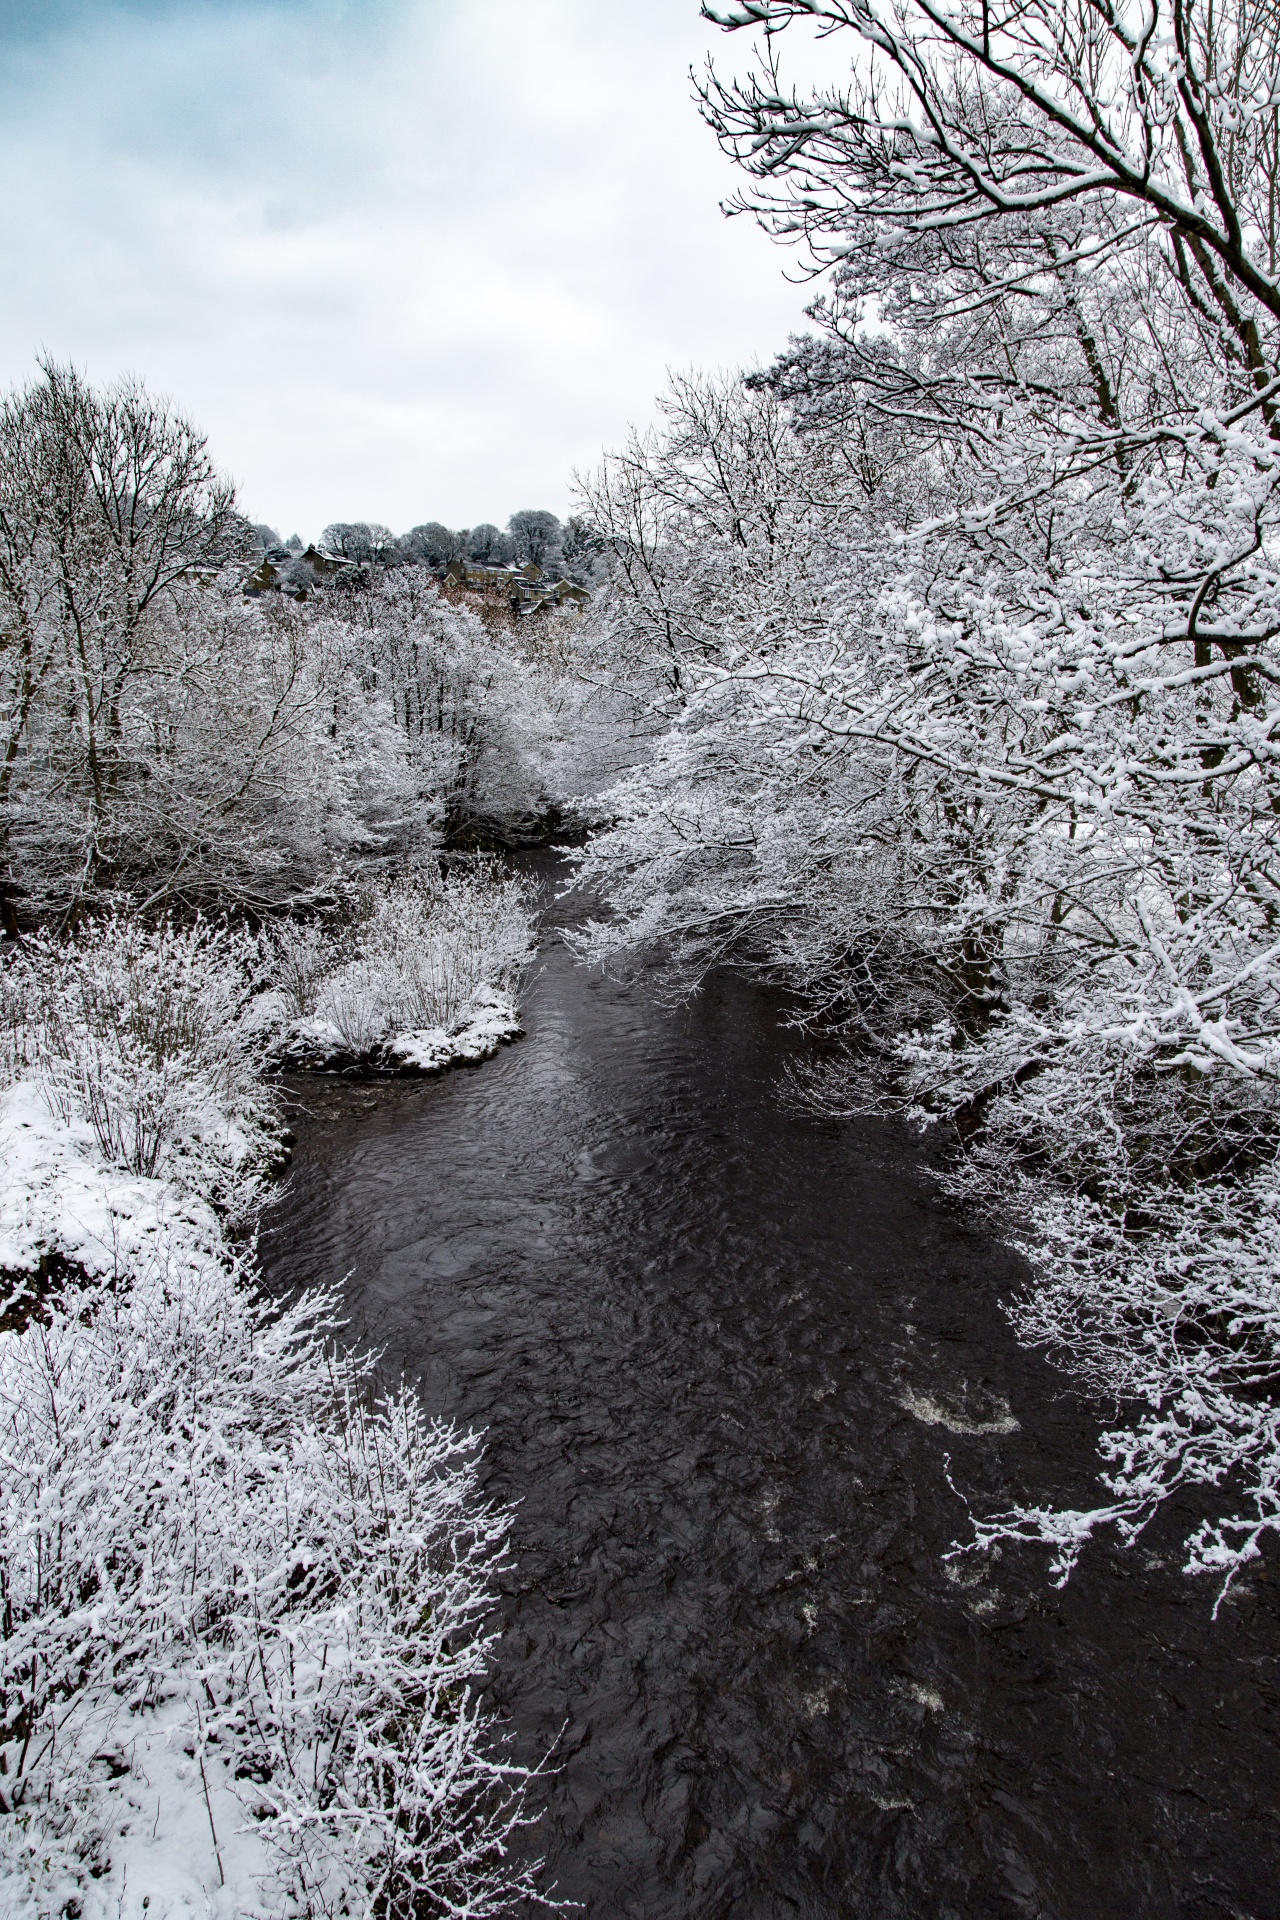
488,546
432,544
109,505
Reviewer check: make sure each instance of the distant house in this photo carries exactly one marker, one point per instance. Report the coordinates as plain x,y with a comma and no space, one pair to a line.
527,588
568,593
297,574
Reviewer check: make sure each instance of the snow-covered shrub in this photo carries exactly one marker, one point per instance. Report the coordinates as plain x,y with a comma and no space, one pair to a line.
351,1707
152,1035
442,936
421,953
241,1596
300,958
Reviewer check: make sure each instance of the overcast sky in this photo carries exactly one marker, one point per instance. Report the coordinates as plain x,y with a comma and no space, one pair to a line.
401,259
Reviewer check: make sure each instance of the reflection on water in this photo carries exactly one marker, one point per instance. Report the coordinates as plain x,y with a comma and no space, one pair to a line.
725,1359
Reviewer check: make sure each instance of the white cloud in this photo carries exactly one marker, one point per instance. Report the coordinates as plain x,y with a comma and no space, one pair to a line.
401,261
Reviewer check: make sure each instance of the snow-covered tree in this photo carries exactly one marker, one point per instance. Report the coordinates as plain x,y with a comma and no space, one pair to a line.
535,536
367,542
109,507
166,737
998,789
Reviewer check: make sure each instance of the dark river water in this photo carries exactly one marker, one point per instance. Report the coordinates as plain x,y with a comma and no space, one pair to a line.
741,1370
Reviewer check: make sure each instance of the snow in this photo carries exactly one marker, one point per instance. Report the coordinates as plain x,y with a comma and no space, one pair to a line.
493,1022
161,1803
57,1195
422,977
245,1601
145,1788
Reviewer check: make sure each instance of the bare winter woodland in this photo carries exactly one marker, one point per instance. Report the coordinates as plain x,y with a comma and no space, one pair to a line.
942,656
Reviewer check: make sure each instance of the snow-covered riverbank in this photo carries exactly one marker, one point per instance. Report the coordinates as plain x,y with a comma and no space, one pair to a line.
420,974
243,1592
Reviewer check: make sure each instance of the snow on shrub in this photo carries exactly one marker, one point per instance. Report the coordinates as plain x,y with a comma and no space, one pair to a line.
216,1547
421,962
152,1035
241,1595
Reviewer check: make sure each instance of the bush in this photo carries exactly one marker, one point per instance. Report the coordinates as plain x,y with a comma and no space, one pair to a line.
216,1545
241,1595
414,953
152,1035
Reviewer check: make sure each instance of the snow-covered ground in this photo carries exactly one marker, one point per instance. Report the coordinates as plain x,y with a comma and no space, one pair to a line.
243,1595
59,1196
156,1804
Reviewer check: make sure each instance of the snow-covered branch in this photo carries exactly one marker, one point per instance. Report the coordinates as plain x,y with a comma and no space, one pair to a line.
989,772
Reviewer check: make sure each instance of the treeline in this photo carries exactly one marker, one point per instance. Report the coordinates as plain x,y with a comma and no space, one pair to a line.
564,550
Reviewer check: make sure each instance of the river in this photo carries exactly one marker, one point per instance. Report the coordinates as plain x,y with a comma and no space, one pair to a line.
741,1369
